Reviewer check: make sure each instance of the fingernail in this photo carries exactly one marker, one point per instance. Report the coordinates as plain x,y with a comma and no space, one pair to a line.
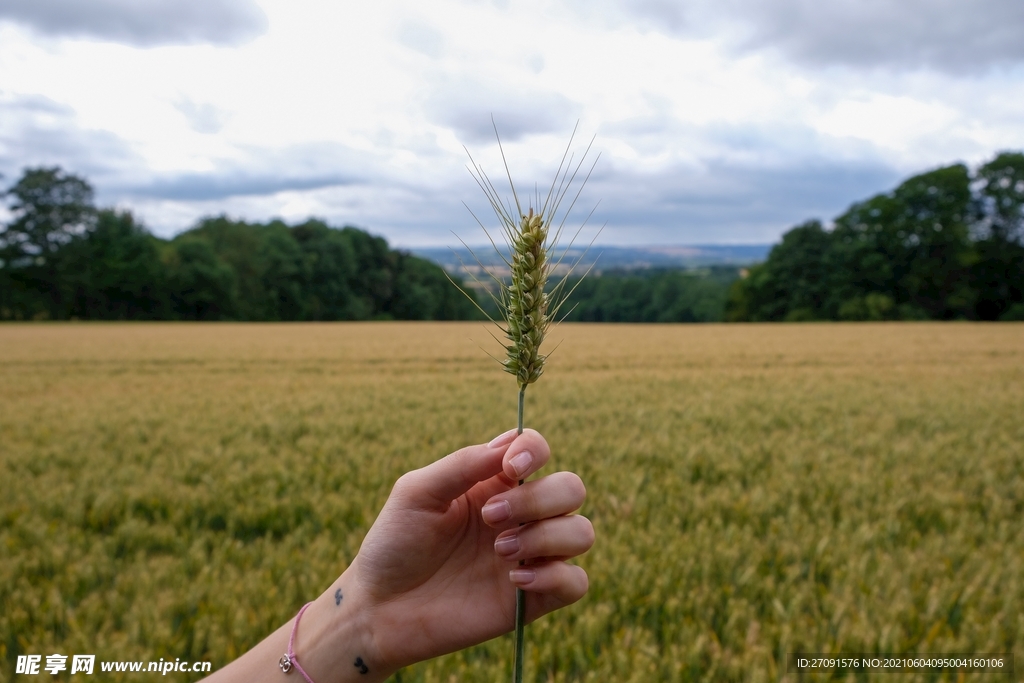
507,545
522,577
521,463
496,512
503,439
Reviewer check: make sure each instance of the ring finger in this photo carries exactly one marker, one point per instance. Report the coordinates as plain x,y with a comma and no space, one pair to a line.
556,494
555,538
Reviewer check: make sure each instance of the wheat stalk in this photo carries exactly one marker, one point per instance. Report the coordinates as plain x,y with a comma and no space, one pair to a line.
527,310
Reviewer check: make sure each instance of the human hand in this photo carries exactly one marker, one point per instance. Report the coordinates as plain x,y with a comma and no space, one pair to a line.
439,568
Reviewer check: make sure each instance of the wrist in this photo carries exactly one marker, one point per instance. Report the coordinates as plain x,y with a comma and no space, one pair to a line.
336,641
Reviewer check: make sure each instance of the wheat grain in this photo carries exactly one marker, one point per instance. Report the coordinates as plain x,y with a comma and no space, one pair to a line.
527,310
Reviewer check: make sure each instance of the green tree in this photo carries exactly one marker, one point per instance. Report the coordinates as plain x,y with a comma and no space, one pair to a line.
331,263
905,254
864,257
270,267
649,296
423,292
937,250
792,284
200,284
59,257
680,297
372,282
238,244
910,248
283,274
998,274
113,271
50,208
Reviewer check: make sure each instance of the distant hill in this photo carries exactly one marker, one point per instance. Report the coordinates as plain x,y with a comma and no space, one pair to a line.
614,258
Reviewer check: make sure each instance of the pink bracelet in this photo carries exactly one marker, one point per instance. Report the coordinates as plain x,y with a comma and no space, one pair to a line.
288,659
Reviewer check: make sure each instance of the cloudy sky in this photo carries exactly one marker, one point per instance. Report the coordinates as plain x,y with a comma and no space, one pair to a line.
717,121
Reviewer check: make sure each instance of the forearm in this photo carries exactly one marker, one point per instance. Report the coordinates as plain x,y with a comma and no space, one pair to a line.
334,643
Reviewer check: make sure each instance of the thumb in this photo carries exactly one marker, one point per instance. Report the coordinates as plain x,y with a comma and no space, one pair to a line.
446,479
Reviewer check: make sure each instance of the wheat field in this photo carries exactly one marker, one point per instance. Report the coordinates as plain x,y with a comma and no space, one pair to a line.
179,490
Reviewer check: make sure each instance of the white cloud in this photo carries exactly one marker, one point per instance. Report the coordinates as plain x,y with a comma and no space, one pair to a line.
143,23
946,35
203,117
422,37
714,123
895,122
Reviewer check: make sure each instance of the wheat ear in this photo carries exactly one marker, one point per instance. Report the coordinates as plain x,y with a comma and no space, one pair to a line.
526,308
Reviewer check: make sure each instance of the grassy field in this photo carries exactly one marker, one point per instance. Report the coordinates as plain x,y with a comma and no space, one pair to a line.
175,490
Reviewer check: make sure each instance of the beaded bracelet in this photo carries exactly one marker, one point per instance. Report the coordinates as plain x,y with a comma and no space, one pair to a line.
288,659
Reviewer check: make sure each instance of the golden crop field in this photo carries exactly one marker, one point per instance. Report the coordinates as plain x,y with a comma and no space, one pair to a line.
179,490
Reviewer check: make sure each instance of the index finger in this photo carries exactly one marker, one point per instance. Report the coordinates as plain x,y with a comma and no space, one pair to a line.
444,480
525,455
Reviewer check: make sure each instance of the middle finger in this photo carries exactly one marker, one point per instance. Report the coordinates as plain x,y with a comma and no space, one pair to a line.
556,494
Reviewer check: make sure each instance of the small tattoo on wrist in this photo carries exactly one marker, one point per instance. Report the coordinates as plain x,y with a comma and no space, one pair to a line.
359,664
337,597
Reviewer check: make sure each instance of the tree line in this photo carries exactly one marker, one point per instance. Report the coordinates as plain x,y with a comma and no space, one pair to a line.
658,295
63,258
947,244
